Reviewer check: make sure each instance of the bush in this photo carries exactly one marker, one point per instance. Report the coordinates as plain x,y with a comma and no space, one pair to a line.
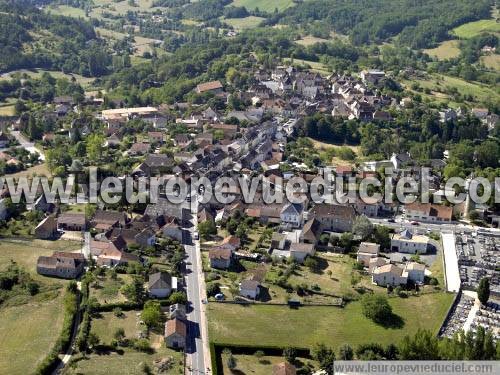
376,307
142,345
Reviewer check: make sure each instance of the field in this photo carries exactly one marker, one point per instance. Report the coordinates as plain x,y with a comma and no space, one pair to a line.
313,65
258,325
310,40
39,170
36,73
446,50
244,23
108,290
129,361
491,61
7,109
265,5
28,332
439,85
26,253
141,44
471,29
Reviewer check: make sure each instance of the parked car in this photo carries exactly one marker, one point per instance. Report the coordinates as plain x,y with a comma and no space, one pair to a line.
414,223
219,297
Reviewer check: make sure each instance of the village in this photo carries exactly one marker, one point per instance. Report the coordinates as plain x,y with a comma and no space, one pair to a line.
290,254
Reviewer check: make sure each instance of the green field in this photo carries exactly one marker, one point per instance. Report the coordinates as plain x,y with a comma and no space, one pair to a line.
130,361
306,326
446,50
439,84
265,5
28,332
37,73
472,29
491,61
249,364
313,65
244,23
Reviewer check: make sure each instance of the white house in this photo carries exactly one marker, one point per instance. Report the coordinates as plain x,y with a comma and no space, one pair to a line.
407,242
161,284
415,272
389,274
249,289
300,251
367,251
292,214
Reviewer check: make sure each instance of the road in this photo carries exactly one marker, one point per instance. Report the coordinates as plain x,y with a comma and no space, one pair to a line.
198,354
26,144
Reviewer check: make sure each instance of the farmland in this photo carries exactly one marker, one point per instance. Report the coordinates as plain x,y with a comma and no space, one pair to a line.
446,50
265,5
473,29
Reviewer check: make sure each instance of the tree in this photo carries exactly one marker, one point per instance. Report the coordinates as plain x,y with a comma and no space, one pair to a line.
311,263
346,241
231,361
290,354
119,335
362,227
483,290
423,346
206,229
376,307
95,147
346,353
93,340
382,236
151,314
325,357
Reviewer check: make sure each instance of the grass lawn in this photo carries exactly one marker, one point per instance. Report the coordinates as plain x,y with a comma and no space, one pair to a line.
249,364
306,326
39,170
27,333
310,40
64,10
313,65
109,289
7,109
446,50
265,5
130,362
26,253
244,23
106,325
36,73
471,29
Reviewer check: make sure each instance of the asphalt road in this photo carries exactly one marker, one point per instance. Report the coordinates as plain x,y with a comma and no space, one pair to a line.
26,144
197,346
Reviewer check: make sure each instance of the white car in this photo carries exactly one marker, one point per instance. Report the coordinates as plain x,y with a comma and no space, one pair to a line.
196,236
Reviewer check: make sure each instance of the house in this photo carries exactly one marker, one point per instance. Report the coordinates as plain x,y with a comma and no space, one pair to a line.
72,222
292,215
105,220
230,242
175,334
220,258
407,242
300,251
401,160
214,87
113,141
155,137
367,251
480,113
372,76
284,368
142,237
428,212
177,311
111,253
46,229
447,115
278,241
311,231
172,229
389,274
161,284
250,288
334,217
139,149
376,262
182,140
60,264
415,272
